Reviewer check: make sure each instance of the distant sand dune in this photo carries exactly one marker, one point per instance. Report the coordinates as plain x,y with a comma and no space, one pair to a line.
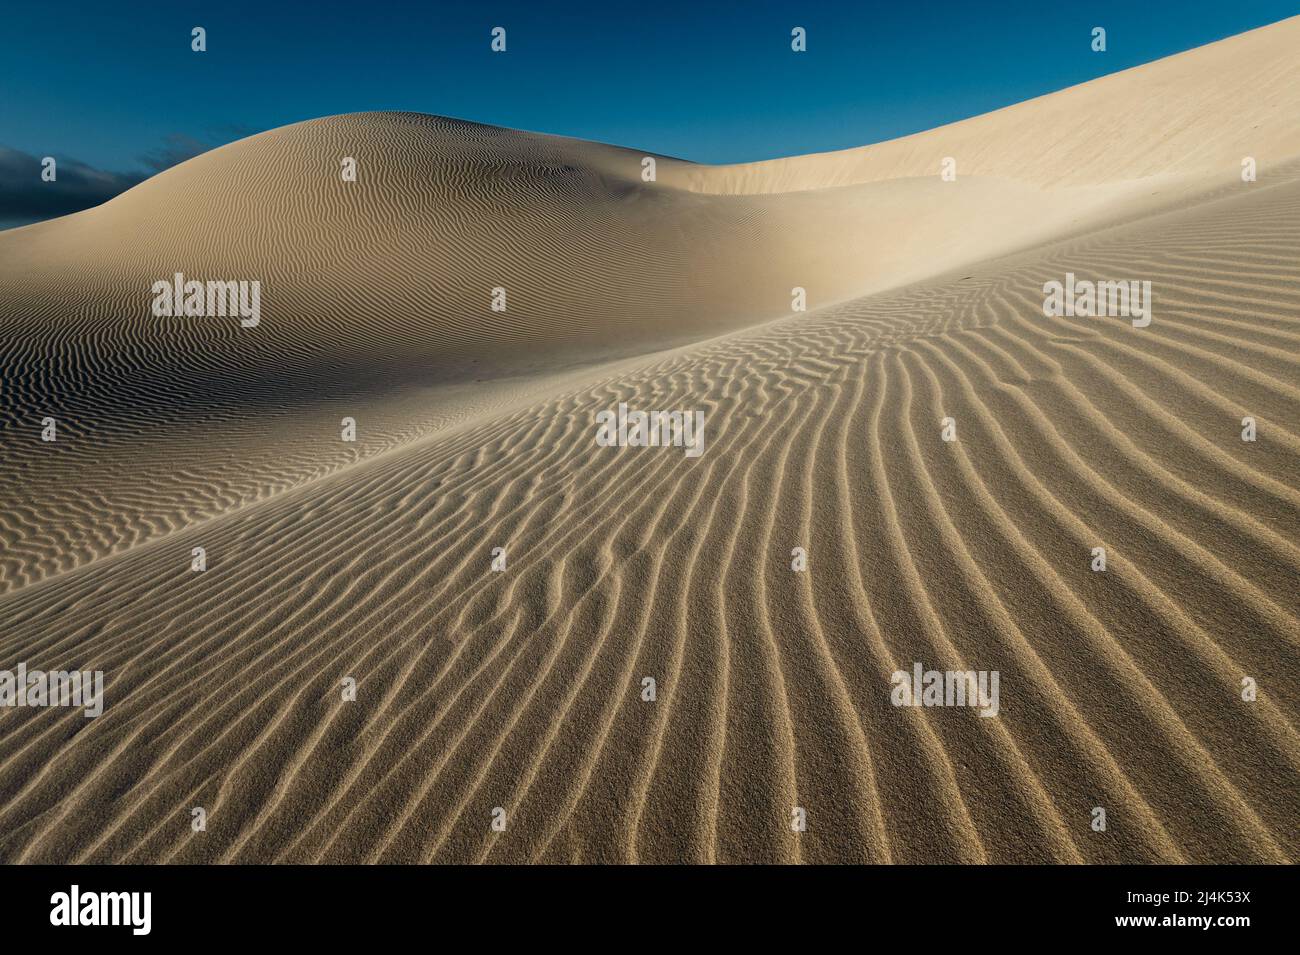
522,689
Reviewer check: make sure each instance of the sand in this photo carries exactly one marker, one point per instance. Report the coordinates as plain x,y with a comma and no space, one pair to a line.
522,689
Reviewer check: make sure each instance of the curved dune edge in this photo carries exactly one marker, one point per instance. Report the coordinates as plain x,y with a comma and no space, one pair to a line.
523,689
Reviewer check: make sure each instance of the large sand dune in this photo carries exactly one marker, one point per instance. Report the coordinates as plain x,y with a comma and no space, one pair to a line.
522,689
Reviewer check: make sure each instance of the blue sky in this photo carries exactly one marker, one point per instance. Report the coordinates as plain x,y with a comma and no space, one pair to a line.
114,85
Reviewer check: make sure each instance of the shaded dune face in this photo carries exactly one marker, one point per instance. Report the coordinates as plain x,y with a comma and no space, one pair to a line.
523,689
401,263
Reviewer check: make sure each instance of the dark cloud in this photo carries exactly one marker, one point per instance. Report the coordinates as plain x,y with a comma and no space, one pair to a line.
25,197
176,148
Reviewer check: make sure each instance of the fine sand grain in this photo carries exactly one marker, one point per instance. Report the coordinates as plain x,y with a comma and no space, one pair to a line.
522,689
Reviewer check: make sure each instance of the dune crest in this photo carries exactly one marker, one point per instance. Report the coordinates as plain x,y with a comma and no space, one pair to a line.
914,475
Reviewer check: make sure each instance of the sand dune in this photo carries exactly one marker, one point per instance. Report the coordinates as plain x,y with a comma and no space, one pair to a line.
522,689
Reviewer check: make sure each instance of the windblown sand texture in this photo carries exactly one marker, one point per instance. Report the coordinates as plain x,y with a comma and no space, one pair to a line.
522,689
